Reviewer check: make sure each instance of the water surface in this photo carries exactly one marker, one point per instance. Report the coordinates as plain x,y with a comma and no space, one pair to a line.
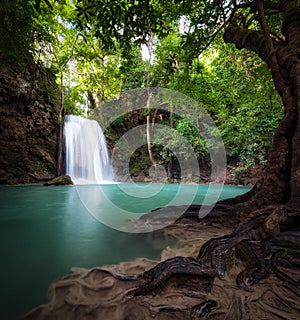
44,231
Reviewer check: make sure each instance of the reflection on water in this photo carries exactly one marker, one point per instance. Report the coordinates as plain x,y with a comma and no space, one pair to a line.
44,231
113,204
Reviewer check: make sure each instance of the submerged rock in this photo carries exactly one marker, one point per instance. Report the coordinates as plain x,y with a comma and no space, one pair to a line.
60,181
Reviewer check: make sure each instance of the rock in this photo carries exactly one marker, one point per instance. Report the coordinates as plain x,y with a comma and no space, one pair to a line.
29,129
60,181
42,176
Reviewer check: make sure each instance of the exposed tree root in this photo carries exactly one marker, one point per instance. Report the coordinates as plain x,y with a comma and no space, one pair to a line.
256,243
175,267
251,273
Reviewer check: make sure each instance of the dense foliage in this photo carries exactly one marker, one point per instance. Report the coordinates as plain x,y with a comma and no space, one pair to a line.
94,61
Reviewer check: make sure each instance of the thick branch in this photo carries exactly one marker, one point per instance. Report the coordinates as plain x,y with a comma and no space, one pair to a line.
273,63
246,39
251,4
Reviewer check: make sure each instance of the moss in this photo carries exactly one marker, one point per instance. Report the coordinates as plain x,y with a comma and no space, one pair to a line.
60,181
39,167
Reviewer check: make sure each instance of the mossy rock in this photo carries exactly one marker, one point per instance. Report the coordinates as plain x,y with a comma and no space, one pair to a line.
60,181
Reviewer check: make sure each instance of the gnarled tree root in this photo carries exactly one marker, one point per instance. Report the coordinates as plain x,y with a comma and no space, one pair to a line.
252,273
258,245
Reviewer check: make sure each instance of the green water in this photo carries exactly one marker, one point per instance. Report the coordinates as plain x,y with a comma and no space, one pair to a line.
44,231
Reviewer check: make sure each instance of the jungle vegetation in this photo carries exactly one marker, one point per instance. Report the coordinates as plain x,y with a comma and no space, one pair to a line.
234,86
243,81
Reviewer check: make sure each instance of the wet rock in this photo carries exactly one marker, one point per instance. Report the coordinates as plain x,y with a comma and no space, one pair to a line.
60,181
29,129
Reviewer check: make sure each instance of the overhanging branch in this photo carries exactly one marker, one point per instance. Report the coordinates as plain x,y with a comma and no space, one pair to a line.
251,40
274,66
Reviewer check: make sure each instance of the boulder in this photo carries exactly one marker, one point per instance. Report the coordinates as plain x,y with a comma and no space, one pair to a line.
60,181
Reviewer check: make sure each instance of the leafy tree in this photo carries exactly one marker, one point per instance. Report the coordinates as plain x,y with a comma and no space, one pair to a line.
134,70
249,24
253,25
235,88
17,28
125,24
248,110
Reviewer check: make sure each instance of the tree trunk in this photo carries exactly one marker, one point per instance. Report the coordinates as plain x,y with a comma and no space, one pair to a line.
61,67
149,140
61,128
281,181
60,146
295,170
148,129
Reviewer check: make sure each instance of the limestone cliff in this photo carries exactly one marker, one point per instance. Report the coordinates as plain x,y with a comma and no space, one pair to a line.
28,128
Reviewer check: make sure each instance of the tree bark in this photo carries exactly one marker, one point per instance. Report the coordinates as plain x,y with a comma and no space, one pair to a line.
295,172
61,67
148,129
60,147
291,59
61,128
281,181
149,140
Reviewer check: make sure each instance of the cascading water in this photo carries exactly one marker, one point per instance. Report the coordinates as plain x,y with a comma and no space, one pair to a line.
87,157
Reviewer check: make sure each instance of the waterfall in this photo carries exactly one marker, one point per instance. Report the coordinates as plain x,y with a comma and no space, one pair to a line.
87,157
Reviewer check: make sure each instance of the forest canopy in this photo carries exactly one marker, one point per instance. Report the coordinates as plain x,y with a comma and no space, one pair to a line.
96,53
